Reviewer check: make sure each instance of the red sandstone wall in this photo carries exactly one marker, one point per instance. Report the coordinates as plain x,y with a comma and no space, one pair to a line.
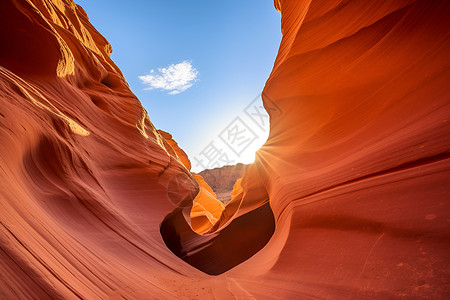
348,198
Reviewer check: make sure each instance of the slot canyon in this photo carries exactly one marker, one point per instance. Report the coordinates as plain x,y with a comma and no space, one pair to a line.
347,199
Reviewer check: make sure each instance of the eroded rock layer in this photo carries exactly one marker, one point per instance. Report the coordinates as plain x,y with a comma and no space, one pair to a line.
348,198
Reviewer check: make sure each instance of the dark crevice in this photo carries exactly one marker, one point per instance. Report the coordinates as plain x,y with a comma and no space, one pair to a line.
217,253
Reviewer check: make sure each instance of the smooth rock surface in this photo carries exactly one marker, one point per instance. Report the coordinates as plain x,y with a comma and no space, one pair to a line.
347,199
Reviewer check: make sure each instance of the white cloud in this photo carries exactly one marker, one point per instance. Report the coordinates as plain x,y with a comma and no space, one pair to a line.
175,78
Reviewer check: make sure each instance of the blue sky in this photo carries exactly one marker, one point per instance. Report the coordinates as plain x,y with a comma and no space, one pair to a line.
228,46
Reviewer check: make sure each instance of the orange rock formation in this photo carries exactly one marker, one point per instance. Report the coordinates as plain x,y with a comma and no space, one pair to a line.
348,198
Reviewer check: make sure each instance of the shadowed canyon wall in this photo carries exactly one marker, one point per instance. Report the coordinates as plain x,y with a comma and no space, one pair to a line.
348,198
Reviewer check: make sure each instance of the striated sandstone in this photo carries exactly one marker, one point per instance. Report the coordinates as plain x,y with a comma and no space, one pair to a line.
348,198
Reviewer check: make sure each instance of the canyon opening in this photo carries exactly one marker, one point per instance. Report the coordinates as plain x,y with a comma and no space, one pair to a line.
347,198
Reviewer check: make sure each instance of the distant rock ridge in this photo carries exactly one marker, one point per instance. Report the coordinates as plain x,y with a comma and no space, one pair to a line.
222,179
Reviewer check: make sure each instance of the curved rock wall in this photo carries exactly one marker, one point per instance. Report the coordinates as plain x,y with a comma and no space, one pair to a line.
348,198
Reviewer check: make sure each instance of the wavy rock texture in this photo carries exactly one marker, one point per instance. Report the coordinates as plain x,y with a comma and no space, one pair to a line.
348,198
